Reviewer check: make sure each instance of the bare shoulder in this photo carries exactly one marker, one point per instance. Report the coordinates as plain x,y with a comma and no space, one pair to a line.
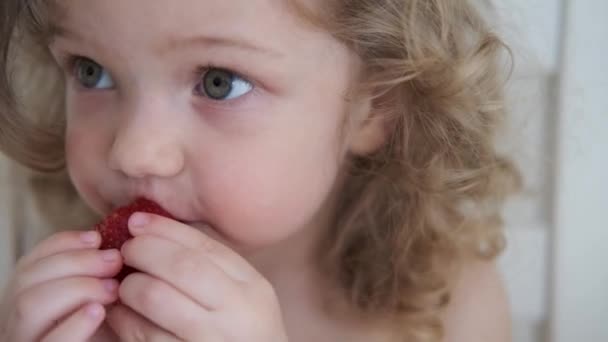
479,309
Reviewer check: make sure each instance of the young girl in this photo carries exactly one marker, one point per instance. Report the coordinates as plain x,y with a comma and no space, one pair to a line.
330,165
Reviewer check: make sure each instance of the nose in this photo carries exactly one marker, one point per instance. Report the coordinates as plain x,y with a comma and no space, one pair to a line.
146,144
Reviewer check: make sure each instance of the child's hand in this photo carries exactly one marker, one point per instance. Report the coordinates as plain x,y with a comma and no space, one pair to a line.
58,290
192,288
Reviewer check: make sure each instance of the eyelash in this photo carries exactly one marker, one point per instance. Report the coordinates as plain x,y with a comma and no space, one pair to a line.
70,62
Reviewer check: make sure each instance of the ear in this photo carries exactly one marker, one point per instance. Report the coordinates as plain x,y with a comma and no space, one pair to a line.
366,128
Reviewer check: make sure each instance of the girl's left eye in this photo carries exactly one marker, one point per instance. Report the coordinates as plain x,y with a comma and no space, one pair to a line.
220,84
92,75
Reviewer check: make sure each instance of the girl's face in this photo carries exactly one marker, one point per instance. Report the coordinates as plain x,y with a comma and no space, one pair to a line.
227,113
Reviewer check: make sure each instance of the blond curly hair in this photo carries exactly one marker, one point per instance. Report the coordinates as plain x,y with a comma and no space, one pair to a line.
410,214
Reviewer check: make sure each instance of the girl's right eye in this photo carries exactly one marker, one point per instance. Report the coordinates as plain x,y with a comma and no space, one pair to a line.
92,75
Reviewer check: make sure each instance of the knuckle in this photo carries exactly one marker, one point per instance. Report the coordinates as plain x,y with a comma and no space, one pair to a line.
189,329
69,260
186,264
207,245
150,295
265,289
18,284
138,334
23,308
61,238
127,246
131,246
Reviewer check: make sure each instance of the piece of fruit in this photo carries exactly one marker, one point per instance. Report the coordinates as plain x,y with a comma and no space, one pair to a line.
114,228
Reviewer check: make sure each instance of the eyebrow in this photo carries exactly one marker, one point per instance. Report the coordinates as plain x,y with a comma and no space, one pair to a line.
183,42
208,41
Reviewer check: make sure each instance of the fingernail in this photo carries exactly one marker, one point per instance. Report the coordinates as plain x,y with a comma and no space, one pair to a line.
89,237
138,220
94,310
110,285
110,255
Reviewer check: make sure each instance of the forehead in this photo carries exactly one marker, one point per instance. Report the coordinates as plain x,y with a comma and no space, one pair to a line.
267,22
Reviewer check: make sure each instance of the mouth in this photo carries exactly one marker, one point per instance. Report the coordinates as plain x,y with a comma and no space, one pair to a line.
201,225
179,210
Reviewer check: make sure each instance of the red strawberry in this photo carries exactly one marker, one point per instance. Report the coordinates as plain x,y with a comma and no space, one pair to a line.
114,228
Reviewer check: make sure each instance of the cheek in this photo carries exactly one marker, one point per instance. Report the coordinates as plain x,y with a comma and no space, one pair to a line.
82,135
84,159
260,198
268,204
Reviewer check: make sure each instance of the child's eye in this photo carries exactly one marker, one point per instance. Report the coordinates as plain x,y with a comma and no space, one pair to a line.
220,84
92,75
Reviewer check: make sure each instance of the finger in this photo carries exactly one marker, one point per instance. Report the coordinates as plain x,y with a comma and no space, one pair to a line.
132,327
76,263
188,270
231,262
80,326
41,306
146,295
61,242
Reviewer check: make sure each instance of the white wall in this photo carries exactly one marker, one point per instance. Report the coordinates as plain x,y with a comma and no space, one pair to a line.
555,265
580,290
533,30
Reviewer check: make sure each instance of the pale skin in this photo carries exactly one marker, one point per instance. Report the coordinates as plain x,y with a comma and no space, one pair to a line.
241,266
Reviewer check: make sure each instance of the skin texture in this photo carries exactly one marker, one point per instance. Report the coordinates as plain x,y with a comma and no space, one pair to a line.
479,310
256,168
253,177
48,296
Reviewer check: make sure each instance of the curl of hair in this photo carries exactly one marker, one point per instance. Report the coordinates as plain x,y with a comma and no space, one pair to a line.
429,201
32,120
409,215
